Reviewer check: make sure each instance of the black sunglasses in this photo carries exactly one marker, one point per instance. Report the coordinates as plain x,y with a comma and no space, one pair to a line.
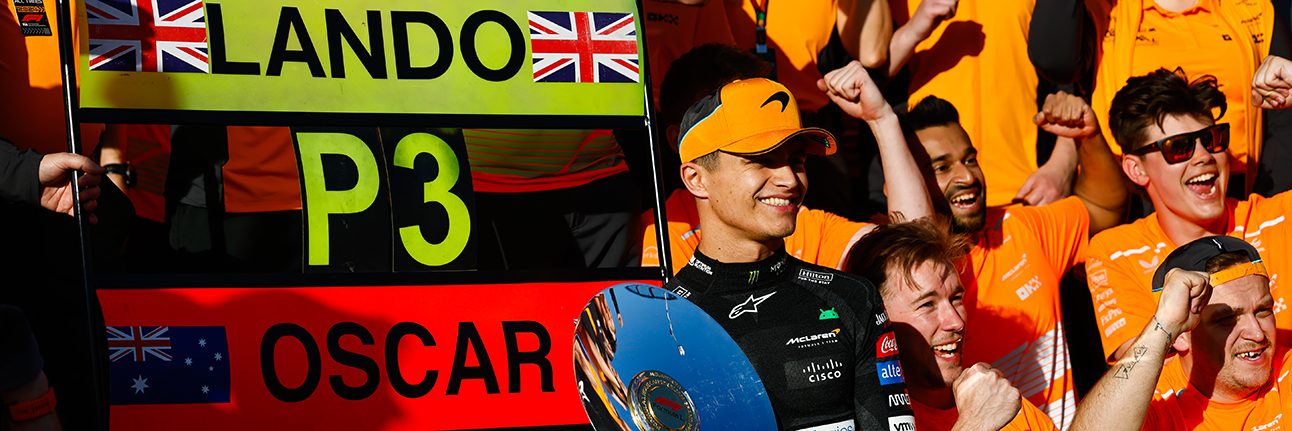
1178,148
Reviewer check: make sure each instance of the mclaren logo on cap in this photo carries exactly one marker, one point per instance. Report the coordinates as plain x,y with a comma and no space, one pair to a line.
780,96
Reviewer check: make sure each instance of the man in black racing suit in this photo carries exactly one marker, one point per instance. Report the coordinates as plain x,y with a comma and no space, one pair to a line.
818,338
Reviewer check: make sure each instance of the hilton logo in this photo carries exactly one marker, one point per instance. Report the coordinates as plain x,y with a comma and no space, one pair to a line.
815,277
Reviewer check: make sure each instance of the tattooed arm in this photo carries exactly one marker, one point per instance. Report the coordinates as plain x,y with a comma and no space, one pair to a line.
1120,400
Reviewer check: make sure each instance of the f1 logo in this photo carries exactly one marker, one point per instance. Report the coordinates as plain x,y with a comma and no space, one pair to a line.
33,17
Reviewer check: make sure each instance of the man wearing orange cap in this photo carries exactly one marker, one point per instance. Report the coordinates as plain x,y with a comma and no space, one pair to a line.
820,237
818,338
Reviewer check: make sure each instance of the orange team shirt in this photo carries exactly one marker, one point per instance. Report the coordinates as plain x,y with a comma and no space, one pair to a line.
1015,322
1029,418
797,30
261,174
819,237
673,29
1201,43
990,80
1176,406
31,83
1124,258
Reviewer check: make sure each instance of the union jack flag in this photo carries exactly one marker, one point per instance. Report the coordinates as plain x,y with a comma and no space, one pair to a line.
584,47
147,35
133,341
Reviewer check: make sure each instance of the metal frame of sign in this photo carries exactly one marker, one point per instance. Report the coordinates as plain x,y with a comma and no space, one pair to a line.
75,115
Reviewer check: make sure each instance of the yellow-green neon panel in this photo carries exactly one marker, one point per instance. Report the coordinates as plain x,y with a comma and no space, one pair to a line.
250,28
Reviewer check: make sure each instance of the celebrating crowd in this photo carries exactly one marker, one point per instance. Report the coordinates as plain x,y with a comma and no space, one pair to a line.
1132,149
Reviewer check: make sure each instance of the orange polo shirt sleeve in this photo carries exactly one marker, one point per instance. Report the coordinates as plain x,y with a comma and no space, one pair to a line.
1119,273
824,238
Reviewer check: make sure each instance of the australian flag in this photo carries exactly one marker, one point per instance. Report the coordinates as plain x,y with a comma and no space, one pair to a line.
584,47
168,364
147,35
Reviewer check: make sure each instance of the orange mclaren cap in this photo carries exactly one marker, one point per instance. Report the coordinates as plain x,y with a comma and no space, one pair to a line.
747,117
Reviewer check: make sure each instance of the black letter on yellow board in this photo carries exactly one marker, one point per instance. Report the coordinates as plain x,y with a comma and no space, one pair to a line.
337,28
403,58
468,41
289,20
468,336
397,381
515,357
353,360
219,57
313,361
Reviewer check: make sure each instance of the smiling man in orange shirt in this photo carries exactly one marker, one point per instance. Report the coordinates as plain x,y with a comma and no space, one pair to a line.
1020,253
912,264
1175,150
1215,308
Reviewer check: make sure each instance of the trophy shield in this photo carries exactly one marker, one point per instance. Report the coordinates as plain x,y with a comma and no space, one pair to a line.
648,359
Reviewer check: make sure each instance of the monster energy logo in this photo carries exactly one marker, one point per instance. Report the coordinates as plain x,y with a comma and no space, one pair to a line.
753,276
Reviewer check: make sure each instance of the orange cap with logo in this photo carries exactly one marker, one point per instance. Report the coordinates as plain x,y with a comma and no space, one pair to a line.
747,117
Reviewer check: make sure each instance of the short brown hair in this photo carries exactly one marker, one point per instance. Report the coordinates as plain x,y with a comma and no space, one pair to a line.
905,246
1225,261
709,161
1147,100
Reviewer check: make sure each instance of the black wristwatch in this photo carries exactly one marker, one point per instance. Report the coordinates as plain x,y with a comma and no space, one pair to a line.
122,169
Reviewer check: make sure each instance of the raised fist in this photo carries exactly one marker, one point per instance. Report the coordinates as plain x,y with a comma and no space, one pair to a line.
1068,116
985,400
851,88
1272,83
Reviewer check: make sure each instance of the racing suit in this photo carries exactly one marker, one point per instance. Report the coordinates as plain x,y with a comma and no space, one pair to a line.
818,338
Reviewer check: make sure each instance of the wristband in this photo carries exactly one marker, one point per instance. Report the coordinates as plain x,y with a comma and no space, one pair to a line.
1170,338
33,409
122,169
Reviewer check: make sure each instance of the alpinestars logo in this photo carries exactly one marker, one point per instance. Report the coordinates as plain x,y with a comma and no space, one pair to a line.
749,306
814,339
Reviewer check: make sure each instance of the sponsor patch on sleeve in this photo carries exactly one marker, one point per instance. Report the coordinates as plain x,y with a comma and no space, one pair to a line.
901,423
886,346
890,372
844,425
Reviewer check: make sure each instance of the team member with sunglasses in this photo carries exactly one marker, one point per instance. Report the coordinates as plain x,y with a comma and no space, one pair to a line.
1174,149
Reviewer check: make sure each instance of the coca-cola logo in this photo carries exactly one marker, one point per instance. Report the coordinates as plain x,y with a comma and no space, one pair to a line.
886,346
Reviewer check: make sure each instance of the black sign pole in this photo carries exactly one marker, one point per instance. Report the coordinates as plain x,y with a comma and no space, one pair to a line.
661,219
67,54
